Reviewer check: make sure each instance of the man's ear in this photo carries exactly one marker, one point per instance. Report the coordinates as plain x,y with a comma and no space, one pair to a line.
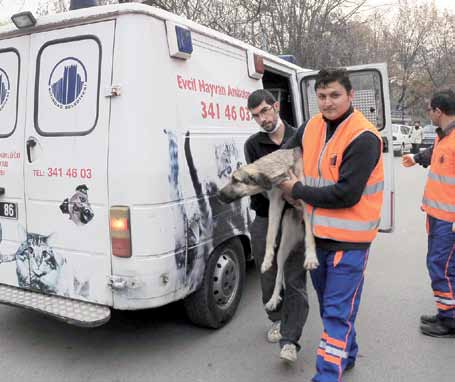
276,106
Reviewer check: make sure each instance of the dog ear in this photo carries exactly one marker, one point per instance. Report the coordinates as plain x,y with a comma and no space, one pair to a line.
240,176
236,176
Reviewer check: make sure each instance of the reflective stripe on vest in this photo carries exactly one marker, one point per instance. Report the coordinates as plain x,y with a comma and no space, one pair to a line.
438,205
439,196
345,223
320,182
442,179
321,164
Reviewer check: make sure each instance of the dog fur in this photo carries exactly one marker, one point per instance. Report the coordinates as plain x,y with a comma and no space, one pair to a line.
262,176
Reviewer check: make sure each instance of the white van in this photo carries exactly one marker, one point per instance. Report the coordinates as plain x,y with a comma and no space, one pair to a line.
402,139
118,125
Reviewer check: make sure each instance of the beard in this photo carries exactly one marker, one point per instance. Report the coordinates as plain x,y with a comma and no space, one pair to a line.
270,128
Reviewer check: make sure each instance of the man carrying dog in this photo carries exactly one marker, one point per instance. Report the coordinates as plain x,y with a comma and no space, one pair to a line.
343,191
439,204
289,318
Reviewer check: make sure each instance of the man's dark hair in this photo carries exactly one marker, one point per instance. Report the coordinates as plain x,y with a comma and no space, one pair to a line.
256,98
444,100
329,75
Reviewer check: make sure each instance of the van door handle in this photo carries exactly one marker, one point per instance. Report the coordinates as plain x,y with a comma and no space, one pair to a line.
2,191
31,143
385,145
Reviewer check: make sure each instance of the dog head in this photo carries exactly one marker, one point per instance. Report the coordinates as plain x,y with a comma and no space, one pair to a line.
245,181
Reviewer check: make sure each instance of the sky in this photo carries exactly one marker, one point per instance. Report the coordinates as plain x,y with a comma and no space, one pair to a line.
441,4
9,7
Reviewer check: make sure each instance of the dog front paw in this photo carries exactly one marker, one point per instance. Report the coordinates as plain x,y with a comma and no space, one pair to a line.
273,303
311,263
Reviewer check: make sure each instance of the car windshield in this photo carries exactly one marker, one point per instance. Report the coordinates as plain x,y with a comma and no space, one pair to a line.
429,129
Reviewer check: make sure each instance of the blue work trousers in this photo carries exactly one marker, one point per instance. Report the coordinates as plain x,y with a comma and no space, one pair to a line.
338,282
441,266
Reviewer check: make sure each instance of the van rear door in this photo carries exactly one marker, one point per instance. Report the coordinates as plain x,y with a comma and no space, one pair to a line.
66,143
13,95
371,97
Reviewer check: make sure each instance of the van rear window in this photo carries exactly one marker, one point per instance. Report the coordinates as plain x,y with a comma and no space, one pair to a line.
67,86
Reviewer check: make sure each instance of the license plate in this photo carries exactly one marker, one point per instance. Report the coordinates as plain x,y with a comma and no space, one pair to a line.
8,210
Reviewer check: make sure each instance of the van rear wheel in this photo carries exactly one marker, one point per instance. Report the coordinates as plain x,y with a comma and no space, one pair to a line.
218,297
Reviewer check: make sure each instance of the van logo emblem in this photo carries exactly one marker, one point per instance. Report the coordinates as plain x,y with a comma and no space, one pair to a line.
68,83
4,88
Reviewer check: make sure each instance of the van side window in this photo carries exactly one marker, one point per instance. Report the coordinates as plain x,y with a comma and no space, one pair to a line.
404,130
67,86
9,90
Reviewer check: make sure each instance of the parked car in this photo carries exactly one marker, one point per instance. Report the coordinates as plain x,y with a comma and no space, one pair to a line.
401,139
429,135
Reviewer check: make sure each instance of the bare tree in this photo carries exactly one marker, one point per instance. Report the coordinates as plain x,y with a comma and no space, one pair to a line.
306,28
408,37
439,54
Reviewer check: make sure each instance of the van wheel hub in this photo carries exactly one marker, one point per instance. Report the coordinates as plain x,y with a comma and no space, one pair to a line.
226,279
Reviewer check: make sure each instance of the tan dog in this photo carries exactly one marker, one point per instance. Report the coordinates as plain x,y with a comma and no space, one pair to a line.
263,175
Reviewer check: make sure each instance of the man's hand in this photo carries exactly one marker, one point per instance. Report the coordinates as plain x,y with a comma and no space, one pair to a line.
293,202
287,185
408,160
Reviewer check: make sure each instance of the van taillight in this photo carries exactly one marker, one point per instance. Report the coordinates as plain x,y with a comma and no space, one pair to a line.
120,231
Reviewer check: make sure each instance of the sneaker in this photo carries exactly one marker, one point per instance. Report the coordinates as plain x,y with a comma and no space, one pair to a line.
289,353
428,319
438,329
273,334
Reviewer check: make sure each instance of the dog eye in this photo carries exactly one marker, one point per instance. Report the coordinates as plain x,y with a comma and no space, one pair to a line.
83,200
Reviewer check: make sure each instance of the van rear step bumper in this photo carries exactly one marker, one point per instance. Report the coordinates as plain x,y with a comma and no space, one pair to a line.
79,313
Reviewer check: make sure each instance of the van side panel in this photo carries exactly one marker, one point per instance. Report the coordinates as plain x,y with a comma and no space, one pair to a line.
177,133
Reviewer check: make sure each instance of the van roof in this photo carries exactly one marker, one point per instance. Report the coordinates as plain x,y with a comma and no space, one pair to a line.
87,15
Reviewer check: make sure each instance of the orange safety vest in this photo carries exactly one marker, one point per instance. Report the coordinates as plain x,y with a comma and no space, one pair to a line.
321,165
439,196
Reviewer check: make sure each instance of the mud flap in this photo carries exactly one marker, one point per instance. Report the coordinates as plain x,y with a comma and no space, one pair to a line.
79,313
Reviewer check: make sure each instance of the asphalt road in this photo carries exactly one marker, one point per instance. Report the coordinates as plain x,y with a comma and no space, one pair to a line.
160,345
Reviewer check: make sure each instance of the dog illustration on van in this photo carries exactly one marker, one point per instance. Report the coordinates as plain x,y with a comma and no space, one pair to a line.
78,207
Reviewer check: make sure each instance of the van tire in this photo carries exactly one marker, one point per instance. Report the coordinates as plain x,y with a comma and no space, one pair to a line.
203,307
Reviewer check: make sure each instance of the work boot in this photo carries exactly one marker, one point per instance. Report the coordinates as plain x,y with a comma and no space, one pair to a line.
289,353
428,319
350,365
440,329
273,334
